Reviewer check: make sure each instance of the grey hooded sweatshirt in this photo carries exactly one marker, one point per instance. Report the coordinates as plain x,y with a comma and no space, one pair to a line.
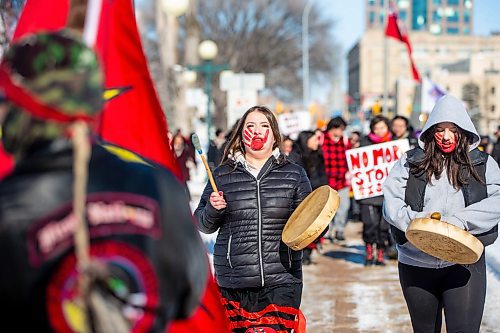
440,196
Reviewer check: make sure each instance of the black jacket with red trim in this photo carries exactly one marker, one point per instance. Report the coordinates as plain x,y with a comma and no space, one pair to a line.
139,224
249,252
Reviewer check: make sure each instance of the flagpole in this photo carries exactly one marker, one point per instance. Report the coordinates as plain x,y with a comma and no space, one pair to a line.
386,56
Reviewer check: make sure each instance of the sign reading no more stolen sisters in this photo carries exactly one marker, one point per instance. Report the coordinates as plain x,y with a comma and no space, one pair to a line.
369,166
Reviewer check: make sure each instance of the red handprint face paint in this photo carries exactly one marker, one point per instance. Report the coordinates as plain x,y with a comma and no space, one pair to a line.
257,135
446,137
255,142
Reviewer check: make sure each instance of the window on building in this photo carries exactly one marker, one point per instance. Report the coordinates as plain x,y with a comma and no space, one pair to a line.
436,16
493,90
436,2
371,2
466,30
372,17
435,29
402,15
381,17
381,2
492,108
453,17
453,2
452,31
470,94
466,16
419,15
403,4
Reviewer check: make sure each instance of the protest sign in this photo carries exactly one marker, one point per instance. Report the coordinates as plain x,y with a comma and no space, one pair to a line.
369,166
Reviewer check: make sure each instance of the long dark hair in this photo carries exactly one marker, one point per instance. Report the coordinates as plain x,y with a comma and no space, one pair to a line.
458,165
235,143
310,158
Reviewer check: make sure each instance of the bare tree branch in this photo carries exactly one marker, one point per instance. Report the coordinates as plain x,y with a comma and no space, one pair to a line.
265,36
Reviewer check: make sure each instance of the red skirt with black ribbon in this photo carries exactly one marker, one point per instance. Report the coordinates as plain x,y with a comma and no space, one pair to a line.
271,309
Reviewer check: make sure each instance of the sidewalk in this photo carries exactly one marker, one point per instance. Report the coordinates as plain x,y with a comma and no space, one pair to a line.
342,295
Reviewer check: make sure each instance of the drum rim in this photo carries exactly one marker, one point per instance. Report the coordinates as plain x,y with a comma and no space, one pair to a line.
469,242
301,240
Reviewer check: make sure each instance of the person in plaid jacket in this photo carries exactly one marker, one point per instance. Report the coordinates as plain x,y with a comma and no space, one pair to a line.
334,146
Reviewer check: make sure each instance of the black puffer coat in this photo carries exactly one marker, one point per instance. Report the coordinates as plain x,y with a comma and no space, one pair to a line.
249,252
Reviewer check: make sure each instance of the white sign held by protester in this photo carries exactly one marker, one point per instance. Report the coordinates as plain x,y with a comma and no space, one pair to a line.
291,124
369,166
238,102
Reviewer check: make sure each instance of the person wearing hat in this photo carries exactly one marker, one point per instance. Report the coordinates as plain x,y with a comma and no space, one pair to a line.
90,243
446,173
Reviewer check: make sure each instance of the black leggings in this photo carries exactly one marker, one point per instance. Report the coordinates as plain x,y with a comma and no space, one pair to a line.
459,289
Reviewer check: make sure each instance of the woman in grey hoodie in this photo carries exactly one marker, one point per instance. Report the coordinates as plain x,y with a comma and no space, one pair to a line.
445,174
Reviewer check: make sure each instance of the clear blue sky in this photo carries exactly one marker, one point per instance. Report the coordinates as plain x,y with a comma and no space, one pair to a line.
350,16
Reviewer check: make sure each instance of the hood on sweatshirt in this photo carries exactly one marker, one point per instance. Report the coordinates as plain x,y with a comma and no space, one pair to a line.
451,109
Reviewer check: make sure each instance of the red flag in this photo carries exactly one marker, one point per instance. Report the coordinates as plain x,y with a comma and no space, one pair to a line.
132,117
36,16
395,29
209,317
6,163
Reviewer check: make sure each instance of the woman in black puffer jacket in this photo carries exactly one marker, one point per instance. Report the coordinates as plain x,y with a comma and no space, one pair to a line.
259,189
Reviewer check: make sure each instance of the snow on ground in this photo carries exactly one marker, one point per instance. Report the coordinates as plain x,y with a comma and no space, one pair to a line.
491,318
196,185
493,258
368,314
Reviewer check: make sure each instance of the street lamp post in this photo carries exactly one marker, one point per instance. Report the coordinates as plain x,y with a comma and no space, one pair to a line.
305,52
208,51
175,7
168,12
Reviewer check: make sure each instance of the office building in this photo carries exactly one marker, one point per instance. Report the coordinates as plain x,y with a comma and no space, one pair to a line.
439,17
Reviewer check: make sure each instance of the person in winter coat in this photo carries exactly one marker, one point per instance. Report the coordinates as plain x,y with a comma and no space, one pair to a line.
375,228
400,128
449,175
335,143
184,157
147,264
311,159
216,149
260,278
288,148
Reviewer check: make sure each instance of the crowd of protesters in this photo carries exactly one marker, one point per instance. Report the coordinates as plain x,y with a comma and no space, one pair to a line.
321,152
322,155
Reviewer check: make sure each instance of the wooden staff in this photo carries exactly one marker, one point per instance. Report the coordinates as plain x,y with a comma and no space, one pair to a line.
196,143
76,15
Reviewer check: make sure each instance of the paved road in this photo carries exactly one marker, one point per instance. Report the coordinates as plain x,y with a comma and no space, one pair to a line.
341,295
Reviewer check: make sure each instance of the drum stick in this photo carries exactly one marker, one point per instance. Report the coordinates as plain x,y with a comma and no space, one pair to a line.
196,143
